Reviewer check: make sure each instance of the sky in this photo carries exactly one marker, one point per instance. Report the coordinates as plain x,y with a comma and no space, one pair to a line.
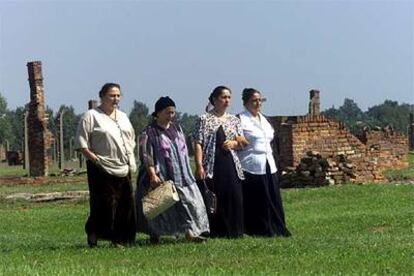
362,50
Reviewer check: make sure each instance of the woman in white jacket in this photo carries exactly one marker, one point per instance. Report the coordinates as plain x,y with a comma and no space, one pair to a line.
262,202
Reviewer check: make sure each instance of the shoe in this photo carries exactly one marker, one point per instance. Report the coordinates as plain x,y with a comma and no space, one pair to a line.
191,238
92,240
119,244
155,239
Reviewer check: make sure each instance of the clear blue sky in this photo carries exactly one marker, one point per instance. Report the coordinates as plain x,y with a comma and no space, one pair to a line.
361,50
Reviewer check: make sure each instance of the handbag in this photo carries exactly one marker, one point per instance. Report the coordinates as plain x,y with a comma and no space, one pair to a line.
209,197
160,199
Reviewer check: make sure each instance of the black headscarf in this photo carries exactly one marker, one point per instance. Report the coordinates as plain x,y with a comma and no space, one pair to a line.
162,104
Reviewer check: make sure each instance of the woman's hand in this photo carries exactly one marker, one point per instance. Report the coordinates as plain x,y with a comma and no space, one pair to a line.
229,144
154,181
90,155
94,158
242,142
200,174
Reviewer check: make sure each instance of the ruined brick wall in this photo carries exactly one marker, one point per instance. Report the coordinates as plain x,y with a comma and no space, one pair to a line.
368,156
300,134
386,148
317,150
40,138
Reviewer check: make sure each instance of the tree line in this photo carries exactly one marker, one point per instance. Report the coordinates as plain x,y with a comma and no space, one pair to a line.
389,113
12,121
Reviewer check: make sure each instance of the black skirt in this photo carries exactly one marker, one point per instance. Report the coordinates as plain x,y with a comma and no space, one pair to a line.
263,208
112,209
228,220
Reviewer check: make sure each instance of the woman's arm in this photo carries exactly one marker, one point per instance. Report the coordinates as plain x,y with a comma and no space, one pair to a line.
89,154
198,156
153,177
147,158
239,141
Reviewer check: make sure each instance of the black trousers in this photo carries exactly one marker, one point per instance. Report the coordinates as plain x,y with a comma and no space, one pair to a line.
112,209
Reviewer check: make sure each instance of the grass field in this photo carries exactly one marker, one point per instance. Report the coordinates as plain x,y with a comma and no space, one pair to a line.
18,171
402,175
350,229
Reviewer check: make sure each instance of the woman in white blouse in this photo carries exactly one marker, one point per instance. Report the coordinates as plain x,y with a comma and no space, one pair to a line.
106,138
262,203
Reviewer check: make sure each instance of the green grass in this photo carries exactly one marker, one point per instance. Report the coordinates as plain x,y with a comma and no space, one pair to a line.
402,175
6,170
346,229
18,171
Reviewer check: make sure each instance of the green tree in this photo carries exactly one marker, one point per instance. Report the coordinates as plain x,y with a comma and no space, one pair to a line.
5,126
390,113
52,125
349,113
70,124
16,119
187,122
139,117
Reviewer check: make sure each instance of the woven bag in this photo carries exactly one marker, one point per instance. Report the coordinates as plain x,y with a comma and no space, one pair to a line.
159,199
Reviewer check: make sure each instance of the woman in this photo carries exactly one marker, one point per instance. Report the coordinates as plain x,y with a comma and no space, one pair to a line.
217,163
106,138
164,156
263,209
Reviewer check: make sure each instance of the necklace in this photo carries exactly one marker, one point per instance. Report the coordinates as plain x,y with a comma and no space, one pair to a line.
218,115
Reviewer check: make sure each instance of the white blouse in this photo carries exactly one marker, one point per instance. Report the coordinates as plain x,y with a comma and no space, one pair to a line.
112,140
259,151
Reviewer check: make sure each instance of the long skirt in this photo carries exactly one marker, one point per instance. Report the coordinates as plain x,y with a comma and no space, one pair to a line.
112,209
188,215
263,208
228,220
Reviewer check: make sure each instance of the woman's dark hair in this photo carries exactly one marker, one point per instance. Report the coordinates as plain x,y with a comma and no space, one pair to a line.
217,92
107,87
248,93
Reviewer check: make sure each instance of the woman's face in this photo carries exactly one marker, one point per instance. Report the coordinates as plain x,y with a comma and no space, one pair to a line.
111,97
223,100
254,103
166,115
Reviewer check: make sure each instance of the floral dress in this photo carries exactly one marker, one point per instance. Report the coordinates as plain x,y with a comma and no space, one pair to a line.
224,172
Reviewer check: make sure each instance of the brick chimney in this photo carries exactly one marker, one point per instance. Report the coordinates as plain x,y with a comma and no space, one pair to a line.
92,104
40,137
314,103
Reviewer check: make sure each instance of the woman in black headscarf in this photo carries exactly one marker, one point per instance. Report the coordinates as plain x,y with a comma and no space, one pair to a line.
164,156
